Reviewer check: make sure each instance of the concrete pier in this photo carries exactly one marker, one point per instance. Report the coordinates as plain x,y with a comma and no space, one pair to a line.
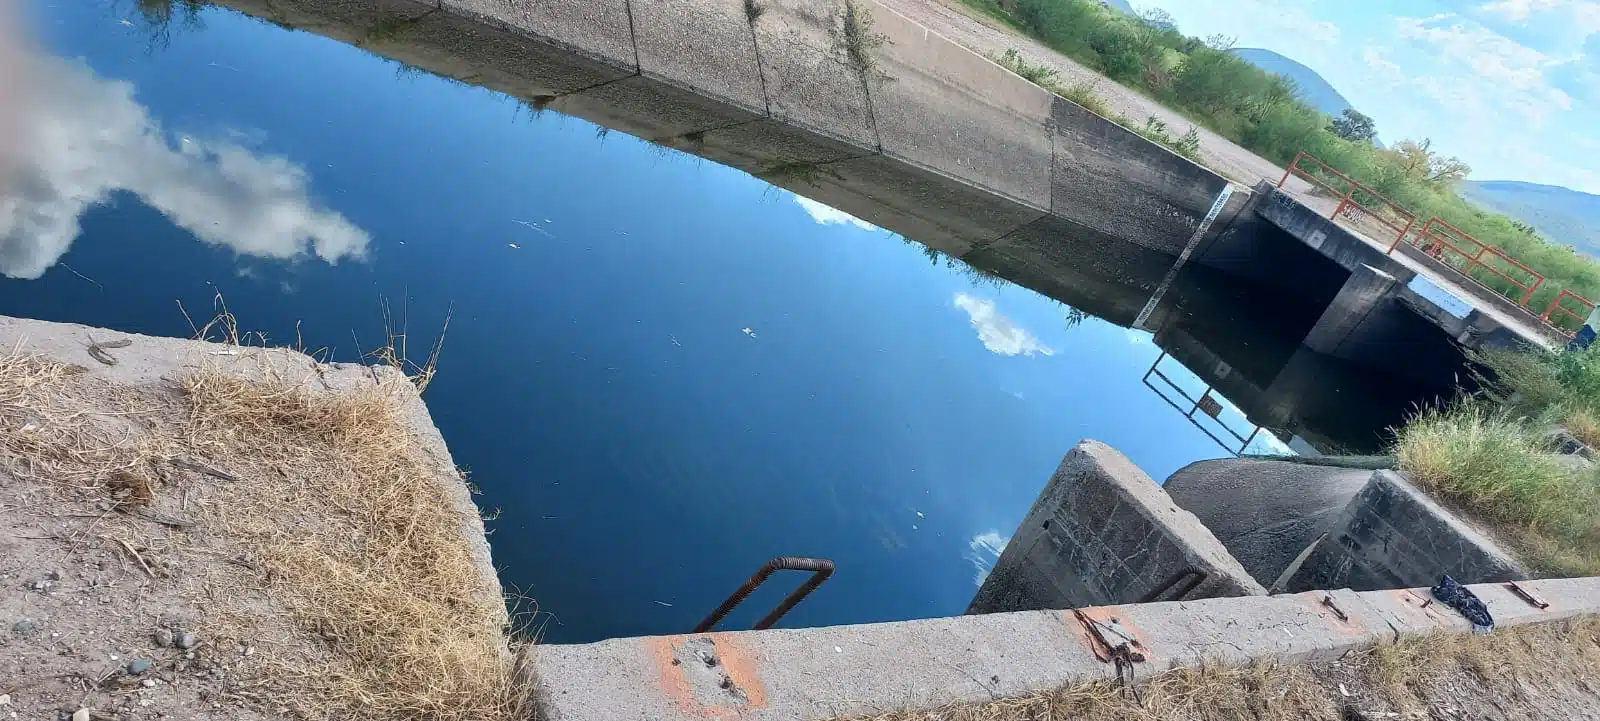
1361,299
1103,532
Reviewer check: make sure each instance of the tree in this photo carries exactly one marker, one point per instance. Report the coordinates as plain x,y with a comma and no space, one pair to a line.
1419,162
1354,125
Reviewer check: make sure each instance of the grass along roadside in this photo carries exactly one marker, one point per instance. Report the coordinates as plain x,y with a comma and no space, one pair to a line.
1536,672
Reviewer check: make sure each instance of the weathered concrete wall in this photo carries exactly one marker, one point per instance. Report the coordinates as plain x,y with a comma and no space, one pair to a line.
1102,532
1265,512
1391,535
923,665
924,138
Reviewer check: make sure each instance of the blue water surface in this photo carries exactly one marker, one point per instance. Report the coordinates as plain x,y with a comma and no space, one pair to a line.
660,371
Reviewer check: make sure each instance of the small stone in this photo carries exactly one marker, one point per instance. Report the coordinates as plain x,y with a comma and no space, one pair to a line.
164,638
52,575
138,666
188,640
81,714
148,683
25,627
5,699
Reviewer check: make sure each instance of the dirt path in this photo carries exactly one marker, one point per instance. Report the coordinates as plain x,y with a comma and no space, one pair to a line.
985,35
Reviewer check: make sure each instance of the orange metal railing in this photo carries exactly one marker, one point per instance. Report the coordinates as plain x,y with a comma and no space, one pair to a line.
1354,198
1458,249
1556,306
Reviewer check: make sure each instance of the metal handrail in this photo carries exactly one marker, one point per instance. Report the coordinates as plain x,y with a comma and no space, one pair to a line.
1347,199
821,569
1555,305
1440,242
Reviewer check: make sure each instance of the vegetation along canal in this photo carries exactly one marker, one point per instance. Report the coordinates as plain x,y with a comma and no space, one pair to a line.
659,371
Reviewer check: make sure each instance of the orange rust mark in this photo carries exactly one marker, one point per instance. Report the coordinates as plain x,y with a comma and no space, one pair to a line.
1108,615
739,664
1424,607
1313,600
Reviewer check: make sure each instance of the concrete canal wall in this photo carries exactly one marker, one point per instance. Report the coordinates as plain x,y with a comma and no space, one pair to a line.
900,126
869,669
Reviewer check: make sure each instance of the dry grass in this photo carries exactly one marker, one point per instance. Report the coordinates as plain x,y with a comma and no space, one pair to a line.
362,545
1518,669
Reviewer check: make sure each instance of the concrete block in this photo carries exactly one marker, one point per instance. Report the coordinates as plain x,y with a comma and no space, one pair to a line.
812,673
807,82
1367,292
941,106
1391,535
707,46
1113,180
598,29
1264,512
1102,532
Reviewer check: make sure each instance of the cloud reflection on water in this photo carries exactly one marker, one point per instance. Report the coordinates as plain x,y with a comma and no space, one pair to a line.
85,137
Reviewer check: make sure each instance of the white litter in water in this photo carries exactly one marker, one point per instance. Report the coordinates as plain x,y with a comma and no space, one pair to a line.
749,332
514,245
913,526
658,603
919,515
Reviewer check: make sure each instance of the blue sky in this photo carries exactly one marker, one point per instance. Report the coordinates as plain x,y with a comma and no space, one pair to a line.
1511,86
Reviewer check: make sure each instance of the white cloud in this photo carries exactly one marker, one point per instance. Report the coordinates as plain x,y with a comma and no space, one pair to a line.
827,215
1518,9
87,138
998,333
983,551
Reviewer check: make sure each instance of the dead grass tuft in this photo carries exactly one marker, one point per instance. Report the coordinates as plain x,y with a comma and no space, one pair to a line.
362,546
63,428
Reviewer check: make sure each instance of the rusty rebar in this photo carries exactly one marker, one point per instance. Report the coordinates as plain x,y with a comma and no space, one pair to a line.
821,569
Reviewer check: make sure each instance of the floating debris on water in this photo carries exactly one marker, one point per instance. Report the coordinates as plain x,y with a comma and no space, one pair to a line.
663,603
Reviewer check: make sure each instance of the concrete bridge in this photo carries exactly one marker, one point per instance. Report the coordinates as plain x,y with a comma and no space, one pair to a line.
851,104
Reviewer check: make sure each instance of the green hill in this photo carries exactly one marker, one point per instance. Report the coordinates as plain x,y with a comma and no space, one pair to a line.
1560,214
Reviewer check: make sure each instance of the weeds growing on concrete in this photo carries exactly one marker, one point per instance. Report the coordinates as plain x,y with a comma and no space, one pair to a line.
856,41
1086,95
1042,75
752,11
1518,672
1155,129
811,174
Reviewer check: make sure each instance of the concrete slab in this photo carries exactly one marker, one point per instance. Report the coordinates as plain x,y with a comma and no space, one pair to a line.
651,109
457,43
807,84
707,46
1103,532
769,147
811,673
1113,180
949,212
363,23
599,29
1265,512
1391,535
943,107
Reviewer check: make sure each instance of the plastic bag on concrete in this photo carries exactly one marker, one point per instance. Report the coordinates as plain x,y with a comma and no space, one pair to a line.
1465,602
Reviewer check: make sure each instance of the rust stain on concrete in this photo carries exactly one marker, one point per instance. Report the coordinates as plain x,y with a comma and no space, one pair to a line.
740,666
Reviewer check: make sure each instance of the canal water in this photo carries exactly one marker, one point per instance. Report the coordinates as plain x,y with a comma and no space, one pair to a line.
660,371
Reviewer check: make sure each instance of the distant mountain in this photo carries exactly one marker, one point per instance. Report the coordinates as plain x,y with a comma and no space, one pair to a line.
1118,5
1560,214
1314,89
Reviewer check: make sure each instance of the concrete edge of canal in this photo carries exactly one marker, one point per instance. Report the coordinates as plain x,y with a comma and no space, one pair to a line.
868,669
